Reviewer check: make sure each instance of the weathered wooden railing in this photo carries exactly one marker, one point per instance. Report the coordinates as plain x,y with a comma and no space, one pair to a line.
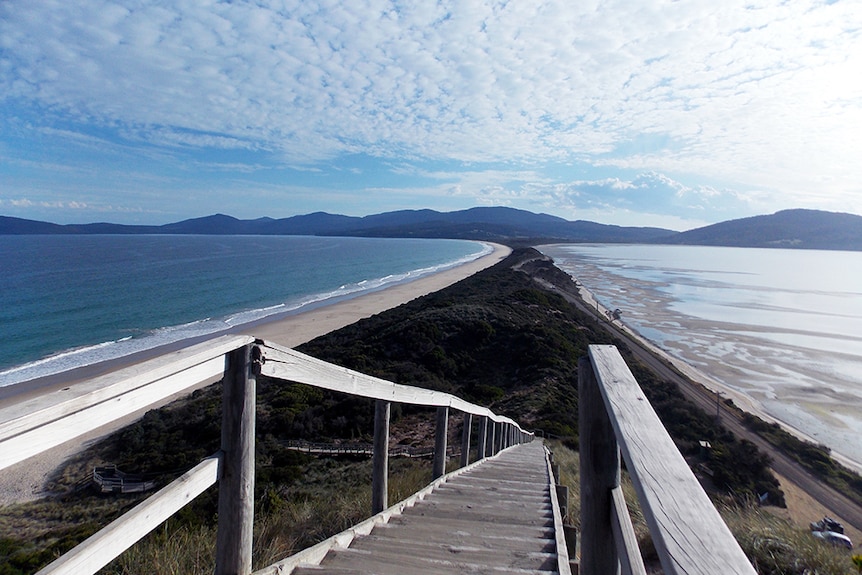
34,426
615,417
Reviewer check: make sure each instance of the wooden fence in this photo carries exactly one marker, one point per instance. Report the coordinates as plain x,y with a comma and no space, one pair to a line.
352,448
615,418
34,426
109,479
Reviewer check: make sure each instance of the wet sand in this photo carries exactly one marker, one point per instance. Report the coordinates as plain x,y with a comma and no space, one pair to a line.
778,406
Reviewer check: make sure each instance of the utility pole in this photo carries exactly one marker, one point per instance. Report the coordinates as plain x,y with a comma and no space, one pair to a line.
718,395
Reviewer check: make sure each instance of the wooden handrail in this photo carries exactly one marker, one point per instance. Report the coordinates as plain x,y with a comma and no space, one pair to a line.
290,365
33,426
122,533
690,536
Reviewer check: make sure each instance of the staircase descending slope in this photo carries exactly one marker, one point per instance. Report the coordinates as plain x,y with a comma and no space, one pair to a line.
494,518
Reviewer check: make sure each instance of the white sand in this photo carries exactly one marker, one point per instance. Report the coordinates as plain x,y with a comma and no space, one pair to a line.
25,481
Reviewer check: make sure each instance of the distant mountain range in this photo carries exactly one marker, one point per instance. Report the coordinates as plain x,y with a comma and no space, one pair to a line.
787,229
807,229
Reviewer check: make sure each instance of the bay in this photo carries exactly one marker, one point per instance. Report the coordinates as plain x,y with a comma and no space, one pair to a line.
783,327
72,300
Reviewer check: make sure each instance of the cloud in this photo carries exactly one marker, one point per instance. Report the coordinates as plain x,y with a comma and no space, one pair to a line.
760,95
27,203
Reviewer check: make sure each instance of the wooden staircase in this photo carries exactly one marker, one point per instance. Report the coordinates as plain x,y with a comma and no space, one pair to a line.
495,518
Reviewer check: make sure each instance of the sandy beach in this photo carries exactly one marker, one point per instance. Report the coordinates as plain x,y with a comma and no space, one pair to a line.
293,330
25,481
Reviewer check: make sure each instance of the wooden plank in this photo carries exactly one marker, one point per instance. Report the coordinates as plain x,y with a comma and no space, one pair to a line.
453,532
380,465
466,429
291,365
482,449
72,425
62,416
599,474
315,554
440,435
22,416
563,565
236,482
103,547
689,534
628,550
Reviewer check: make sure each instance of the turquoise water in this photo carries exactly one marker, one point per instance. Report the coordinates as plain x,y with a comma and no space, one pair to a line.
67,301
783,327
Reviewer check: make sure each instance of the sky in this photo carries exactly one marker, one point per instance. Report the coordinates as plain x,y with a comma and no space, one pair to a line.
670,113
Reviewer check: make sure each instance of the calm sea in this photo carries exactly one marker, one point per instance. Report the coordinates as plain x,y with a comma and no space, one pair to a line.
782,326
67,301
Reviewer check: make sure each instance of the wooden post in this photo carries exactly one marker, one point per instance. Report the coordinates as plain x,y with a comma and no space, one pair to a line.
440,442
380,465
563,499
236,477
600,474
482,449
465,439
492,443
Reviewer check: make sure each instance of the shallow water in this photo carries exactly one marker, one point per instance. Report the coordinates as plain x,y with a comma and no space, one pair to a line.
67,301
782,326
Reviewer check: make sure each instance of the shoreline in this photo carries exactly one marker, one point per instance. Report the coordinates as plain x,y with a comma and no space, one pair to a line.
289,328
740,399
25,481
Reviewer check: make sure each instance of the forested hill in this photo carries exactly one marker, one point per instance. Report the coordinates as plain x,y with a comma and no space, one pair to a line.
493,224
809,229
804,229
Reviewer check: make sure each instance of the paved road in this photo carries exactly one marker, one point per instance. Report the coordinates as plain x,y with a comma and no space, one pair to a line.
837,503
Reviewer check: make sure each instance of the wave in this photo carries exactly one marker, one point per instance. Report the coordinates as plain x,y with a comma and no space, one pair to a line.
209,326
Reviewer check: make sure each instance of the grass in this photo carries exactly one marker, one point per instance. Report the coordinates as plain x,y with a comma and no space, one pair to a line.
815,458
333,496
773,545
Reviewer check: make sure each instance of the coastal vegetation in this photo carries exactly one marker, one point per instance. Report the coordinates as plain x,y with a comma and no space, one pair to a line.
497,338
815,458
774,545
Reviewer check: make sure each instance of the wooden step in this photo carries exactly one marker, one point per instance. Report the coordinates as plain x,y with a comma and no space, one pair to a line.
495,518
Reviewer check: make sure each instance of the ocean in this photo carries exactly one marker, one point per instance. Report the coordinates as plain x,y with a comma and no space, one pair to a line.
783,327
73,300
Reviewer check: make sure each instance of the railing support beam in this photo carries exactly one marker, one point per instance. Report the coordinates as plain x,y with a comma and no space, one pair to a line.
380,465
465,439
482,449
236,477
440,434
600,474
492,426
